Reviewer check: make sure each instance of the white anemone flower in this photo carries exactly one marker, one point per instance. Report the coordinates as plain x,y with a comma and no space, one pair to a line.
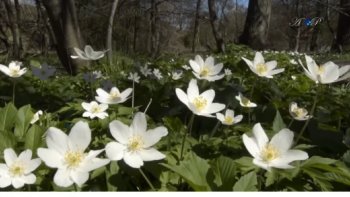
229,118
244,101
134,77
262,68
200,104
298,113
17,171
326,73
176,75
186,67
113,97
13,70
93,110
206,69
134,144
88,54
36,117
228,72
157,73
275,153
145,70
67,154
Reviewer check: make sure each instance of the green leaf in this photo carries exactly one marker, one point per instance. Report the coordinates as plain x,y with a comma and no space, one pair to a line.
224,172
111,174
315,160
34,138
7,117
24,116
194,171
278,123
247,182
8,140
35,63
245,164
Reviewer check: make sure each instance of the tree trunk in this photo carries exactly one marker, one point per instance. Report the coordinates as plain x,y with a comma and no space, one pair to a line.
12,18
64,23
196,26
343,33
110,32
220,45
316,30
154,29
257,24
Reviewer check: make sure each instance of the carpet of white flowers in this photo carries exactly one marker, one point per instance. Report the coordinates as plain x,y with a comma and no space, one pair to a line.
241,121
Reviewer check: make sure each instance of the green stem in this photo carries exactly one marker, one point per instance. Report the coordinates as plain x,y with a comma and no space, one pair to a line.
77,188
308,120
13,92
215,129
133,96
290,123
249,119
190,124
147,180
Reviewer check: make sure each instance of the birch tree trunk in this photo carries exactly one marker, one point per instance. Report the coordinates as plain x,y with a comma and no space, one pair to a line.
109,40
220,45
196,26
64,23
257,24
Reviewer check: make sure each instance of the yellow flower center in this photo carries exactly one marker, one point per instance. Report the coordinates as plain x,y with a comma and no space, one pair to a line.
135,143
95,109
299,112
16,169
245,101
261,68
204,72
228,120
114,95
321,70
200,103
73,158
14,71
269,153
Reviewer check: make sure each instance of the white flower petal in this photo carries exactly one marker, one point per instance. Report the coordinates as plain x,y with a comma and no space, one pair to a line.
260,136
331,73
17,183
10,156
57,140
124,95
120,131
271,65
199,60
220,117
258,59
194,65
182,96
79,136
133,160
62,178
115,151
283,140
5,70
51,157
251,146
261,164
238,118
292,155
80,177
32,165
192,90
29,179
214,107
153,136
139,123
276,71
151,154
208,95
311,66
5,182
